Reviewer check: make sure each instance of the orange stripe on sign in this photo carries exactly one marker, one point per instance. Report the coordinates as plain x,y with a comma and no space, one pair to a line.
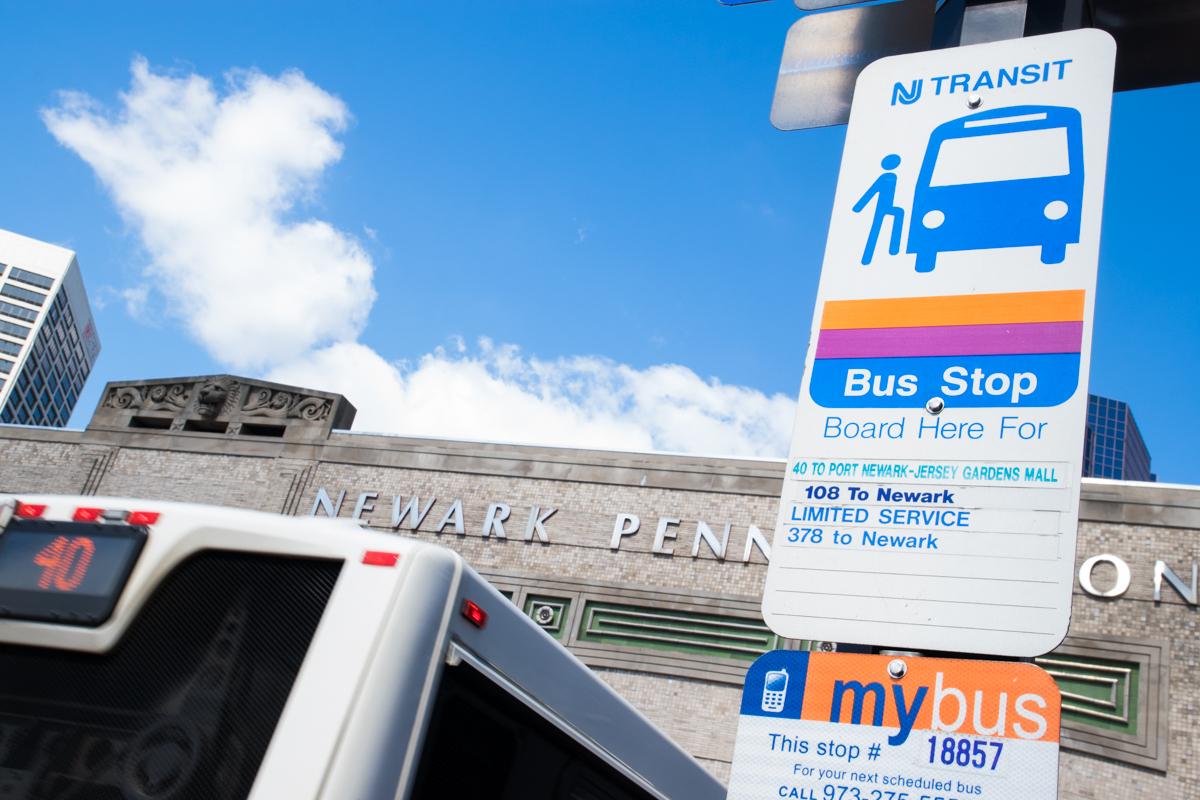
968,309
961,698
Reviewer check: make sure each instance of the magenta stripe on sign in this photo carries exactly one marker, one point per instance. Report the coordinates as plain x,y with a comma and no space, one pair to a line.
952,340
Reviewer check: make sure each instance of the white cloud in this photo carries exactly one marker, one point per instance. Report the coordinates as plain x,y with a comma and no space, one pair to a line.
494,392
210,181
135,298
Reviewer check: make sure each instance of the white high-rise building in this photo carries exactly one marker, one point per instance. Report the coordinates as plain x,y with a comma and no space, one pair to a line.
48,340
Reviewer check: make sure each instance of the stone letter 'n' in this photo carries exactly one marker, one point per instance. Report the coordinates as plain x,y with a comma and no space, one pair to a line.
907,96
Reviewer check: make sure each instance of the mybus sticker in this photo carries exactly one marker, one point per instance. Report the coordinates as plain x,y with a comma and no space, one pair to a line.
829,726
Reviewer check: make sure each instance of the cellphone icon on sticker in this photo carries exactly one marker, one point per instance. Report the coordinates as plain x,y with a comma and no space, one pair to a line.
774,690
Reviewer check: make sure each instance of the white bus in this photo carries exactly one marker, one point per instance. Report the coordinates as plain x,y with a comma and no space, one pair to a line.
166,651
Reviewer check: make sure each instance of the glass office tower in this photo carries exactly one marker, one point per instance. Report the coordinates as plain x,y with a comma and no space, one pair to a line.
48,340
1112,445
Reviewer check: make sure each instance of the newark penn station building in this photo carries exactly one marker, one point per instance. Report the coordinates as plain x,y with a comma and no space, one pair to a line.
648,567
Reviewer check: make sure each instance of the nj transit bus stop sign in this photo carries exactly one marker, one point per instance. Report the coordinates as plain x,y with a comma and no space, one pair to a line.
932,491
833,726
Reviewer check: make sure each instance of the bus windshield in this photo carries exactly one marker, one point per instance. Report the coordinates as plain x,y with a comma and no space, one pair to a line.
1019,155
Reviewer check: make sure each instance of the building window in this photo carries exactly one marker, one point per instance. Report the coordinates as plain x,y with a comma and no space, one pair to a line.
28,295
17,312
32,278
12,329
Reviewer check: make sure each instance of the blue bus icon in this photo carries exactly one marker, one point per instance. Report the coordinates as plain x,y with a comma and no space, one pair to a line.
1007,177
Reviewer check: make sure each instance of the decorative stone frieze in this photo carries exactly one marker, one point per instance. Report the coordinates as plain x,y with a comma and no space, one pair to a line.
223,405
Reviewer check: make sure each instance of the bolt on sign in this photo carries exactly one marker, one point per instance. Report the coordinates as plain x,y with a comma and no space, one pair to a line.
932,492
835,726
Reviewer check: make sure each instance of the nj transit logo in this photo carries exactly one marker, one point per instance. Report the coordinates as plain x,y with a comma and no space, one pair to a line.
997,78
1015,350
975,698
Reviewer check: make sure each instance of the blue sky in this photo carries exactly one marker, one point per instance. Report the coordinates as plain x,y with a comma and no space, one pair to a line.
593,187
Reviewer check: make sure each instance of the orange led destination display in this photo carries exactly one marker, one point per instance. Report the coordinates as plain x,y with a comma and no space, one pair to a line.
65,572
65,562
826,726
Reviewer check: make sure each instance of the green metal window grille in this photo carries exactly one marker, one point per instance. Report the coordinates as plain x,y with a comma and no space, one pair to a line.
676,631
550,613
1099,694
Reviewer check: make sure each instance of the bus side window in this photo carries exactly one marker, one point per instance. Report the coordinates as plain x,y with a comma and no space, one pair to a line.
484,744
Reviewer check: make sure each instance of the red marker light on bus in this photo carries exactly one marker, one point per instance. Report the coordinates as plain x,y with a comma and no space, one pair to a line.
142,517
380,558
87,514
474,614
29,510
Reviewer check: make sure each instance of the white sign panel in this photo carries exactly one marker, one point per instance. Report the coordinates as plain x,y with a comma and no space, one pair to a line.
832,726
932,491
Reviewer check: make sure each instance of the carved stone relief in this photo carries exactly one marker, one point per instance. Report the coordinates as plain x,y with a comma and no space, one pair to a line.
171,397
216,397
220,404
264,402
